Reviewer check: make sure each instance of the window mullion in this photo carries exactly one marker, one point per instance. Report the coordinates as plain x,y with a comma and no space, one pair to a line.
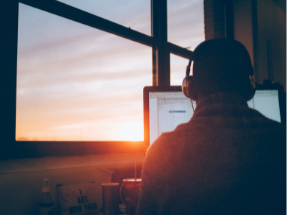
161,58
77,15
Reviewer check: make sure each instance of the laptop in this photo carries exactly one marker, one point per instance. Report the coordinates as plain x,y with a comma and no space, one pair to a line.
166,107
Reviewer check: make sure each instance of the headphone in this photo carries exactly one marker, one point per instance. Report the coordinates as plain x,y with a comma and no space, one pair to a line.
187,86
189,90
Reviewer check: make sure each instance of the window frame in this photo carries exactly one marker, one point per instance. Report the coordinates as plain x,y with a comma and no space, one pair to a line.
161,50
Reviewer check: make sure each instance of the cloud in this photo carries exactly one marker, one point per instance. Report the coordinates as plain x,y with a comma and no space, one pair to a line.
76,82
47,67
186,23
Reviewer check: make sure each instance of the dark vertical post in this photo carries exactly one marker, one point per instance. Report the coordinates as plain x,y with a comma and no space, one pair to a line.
8,75
214,19
255,37
160,52
218,19
270,60
229,21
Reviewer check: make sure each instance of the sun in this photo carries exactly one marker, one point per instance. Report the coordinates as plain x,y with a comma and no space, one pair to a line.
131,131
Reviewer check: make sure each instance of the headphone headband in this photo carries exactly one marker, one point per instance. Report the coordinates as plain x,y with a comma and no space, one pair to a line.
188,81
188,67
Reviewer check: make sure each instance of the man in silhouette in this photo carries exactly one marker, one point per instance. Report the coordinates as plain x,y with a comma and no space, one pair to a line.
229,158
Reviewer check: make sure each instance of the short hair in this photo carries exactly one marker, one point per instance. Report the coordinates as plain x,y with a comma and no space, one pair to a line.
221,65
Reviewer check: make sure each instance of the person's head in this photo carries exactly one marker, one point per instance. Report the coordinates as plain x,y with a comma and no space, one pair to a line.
220,65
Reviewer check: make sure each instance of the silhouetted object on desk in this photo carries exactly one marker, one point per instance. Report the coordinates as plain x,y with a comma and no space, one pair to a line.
229,158
129,192
110,198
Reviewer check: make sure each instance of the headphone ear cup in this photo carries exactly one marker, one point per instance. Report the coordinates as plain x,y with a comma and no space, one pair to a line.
251,90
248,89
188,88
184,87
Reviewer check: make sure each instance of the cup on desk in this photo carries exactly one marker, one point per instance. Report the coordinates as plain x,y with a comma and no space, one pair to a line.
110,195
129,193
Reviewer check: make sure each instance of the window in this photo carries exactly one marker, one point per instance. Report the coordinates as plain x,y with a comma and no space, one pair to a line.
185,23
186,29
75,69
129,13
177,69
77,83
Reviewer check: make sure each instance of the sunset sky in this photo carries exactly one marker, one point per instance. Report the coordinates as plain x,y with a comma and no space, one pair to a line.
75,82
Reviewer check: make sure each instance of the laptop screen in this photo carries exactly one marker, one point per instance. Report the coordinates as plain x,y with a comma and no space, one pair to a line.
167,107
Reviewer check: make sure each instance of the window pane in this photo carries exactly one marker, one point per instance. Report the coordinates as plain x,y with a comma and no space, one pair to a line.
77,83
185,22
129,13
177,69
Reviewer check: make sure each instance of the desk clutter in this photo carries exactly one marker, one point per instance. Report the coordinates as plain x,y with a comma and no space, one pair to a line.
110,198
46,204
118,196
128,192
78,199
81,199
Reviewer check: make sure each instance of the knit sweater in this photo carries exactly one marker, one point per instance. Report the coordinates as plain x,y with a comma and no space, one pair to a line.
228,159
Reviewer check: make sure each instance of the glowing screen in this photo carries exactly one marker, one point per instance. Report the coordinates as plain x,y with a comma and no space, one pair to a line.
169,109
166,111
267,103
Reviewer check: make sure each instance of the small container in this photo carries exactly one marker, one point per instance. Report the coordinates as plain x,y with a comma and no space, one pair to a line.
46,205
129,193
110,195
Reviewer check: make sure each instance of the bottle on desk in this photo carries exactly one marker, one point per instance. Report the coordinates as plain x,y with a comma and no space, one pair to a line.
46,205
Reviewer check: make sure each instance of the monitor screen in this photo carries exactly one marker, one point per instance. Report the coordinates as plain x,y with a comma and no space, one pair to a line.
168,107
167,110
267,103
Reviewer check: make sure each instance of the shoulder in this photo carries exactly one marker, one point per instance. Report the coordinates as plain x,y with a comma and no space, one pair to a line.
264,122
167,143
275,129
161,145
161,150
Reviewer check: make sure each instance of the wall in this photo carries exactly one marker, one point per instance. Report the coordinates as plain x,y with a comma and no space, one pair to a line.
243,26
261,26
271,42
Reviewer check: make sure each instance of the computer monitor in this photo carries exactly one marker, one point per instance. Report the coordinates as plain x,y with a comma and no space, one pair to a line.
167,107
266,101
164,109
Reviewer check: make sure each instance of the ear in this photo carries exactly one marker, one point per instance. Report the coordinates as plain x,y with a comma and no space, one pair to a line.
188,88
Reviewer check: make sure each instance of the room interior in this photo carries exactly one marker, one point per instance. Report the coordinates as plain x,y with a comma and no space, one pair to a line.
259,24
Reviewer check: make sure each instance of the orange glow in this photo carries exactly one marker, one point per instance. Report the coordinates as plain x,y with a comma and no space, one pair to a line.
131,131
77,83
126,131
